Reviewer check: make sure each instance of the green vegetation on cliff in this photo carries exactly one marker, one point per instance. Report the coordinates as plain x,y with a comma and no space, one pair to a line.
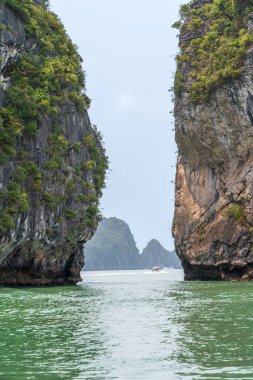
213,45
46,78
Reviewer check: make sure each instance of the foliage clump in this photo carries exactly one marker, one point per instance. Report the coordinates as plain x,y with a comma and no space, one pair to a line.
100,162
213,45
236,212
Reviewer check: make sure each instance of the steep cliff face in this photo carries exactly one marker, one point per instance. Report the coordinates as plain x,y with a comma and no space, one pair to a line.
213,224
52,162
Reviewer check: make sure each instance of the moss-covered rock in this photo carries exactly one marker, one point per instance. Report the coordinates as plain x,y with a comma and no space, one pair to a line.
213,44
49,190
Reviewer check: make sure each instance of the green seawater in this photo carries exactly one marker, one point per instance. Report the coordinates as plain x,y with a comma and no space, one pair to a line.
128,325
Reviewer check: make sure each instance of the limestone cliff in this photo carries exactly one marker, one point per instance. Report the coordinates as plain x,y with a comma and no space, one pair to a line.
213,223
52,162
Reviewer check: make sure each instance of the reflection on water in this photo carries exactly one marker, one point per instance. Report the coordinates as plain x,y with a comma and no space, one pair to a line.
215,339
128,325
49,333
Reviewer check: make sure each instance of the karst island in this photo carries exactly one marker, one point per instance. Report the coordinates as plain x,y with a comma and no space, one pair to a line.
213,224
52,160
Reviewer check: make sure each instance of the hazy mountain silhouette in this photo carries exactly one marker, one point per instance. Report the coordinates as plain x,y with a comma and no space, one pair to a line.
156,255
113,248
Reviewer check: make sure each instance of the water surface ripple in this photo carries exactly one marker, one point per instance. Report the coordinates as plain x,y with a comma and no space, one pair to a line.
128,325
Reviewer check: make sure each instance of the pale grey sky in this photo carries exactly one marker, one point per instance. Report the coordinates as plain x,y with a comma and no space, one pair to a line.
129,49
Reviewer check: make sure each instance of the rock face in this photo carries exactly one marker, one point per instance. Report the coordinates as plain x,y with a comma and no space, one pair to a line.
156,255
52,162
213,224
112,247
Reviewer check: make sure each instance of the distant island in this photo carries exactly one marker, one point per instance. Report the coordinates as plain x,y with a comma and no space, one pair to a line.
156,255
113,248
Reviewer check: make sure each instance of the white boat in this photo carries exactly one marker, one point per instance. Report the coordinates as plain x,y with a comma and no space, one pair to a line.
156,269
